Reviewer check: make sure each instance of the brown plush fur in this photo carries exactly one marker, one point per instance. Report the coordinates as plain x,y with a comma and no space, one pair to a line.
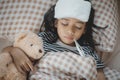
8,70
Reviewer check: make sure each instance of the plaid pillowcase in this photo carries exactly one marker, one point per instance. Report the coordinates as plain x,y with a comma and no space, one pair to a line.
22,15
106,15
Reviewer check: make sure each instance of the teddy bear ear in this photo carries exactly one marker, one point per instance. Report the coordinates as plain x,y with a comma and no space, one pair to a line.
20,36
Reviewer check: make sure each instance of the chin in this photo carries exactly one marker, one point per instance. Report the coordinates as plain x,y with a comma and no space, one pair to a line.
71,43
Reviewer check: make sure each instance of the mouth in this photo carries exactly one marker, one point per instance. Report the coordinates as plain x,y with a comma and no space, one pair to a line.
68,38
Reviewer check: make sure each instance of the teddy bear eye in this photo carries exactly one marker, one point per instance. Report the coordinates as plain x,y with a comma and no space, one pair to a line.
31,44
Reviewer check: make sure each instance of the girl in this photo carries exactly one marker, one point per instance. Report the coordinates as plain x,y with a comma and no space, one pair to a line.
65,22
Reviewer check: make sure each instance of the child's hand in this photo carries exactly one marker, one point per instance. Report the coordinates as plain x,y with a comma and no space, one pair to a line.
101,75
21,61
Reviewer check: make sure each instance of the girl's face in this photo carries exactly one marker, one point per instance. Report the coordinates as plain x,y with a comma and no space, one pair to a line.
69,29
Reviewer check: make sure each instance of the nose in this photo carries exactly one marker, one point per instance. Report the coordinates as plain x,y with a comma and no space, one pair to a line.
70,31
40,50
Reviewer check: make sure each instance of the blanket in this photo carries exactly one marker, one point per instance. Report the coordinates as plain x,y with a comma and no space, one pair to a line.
69,66
65,66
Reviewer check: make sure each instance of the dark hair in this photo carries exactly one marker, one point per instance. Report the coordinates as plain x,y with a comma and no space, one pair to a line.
86,39
49,21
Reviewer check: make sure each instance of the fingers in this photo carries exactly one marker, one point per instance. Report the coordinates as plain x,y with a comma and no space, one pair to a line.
30,65
20,69
27,66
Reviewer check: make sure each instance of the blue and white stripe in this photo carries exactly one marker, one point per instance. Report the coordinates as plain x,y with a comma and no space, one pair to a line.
50,45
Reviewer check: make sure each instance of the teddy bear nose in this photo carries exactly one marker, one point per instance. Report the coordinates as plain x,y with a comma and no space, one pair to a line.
40,50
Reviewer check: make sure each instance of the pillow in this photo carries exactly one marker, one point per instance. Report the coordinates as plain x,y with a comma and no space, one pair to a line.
114,58
22,15
106,20
4,42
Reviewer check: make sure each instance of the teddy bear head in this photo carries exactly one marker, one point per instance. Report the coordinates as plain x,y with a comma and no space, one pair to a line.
30,43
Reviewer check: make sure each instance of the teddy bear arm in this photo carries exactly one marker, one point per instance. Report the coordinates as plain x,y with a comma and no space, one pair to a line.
7,49
14,74
5,60
8,70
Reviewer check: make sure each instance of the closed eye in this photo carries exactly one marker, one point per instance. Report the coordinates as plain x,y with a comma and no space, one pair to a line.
64,24
78,27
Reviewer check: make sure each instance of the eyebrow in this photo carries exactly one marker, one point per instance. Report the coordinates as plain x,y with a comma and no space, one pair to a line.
69,20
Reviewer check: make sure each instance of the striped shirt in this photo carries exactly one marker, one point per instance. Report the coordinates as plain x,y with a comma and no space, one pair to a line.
49,45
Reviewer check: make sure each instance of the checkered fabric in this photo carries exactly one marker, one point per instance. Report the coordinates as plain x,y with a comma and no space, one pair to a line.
65,66
111,74
106,14
69,66
27,15
22,15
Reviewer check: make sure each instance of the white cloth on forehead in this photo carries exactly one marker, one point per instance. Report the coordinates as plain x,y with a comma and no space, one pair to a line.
78,9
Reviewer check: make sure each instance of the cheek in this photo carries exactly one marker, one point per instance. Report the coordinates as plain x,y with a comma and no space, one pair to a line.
60,29
79,34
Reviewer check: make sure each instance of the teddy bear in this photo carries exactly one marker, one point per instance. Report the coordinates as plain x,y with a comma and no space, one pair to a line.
31,45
